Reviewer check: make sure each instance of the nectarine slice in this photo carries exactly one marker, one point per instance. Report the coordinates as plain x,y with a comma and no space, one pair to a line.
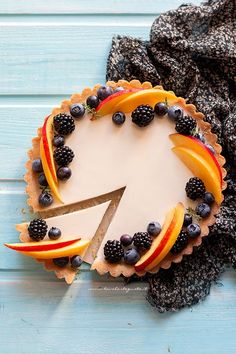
196,145
47,135
39,246
150,96
158,243
107,105
76,248
48,174
201,169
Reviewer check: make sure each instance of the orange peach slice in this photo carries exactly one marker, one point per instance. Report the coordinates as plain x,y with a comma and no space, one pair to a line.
76,248
107,105
196,145
150,96
201,169
48,174
39,246
47,135
164,241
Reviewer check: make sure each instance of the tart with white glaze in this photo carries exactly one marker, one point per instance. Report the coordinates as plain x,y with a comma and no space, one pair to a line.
125,173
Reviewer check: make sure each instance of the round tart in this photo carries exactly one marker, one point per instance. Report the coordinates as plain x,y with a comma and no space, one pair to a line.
126,177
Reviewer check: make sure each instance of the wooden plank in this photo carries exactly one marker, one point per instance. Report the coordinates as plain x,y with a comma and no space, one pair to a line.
87,7
107,317
46,58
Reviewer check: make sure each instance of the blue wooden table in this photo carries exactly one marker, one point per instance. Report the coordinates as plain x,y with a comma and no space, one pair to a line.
48,50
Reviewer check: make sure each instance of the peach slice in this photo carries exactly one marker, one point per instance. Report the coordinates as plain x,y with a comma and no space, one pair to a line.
39,246
48,174
196,145
202,169
76,248
47,135
149,96
164,242
107,105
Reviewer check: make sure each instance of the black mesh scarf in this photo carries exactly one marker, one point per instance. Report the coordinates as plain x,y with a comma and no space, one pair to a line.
192,51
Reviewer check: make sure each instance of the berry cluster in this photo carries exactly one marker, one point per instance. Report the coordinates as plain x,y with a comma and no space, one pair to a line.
37,230
130,248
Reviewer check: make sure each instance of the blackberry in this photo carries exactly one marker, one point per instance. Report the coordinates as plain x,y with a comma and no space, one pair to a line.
142,240
63,155
195,188
113,251
37,229
185,125
64,124
142,115
180,243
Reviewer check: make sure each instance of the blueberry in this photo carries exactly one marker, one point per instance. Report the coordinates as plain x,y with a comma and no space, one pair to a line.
92,101
118,118
42,180
58,141
187,219
154,228
63,173
37,165
160,109
174,113
76,262
77,110
54,233
45,199
131,256
103,92
203,210
118,89
126,240
61,262
193,230
208,198
200,137
210,148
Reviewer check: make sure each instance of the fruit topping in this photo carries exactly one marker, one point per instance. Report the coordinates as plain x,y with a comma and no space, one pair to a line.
76,262
175,113
126,240
118,89
118,118
42,180
37,229
154,228
160,109
39,246
195,188
203,210
92,101
210,148
64,173
63,155
193,230
103,92
180,243
45,199
77,110
64,124
208,198
37,166
113,251
61,262
142,241
142,115
131,256
54,233
185,125
188,219
58,141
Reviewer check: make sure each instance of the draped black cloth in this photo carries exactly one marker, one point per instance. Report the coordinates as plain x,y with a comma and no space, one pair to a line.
192,51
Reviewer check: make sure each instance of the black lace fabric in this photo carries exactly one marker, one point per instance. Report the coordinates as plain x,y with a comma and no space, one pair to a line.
192,51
